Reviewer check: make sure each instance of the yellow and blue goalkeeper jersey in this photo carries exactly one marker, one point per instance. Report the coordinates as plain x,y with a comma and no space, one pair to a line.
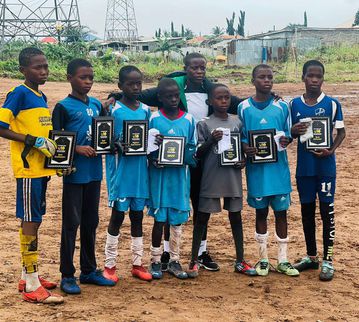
25,111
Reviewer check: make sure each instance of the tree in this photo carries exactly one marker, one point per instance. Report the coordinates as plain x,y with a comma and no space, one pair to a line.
165,47
240,28
230,25
305,24
356,20
188,33
182,31
217,31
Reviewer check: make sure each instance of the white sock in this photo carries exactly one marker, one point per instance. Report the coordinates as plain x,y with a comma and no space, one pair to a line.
202,247
156,253
111,250
175,242
166,246
137,250
23,274
32,281
282,249
262,243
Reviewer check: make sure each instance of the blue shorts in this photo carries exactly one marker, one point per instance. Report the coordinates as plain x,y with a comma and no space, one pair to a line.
309,187
277,202
170,215
135,204
31,198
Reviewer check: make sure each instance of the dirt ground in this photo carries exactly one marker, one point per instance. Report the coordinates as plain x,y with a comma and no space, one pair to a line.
220,295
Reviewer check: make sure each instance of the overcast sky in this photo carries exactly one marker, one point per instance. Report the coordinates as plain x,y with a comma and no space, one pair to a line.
202,15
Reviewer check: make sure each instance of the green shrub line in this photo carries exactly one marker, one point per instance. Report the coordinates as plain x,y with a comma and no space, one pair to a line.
341,63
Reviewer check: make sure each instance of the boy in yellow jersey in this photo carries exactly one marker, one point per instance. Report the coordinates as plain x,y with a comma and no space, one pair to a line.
25,120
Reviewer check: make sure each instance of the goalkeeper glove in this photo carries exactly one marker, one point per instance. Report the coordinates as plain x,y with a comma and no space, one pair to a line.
44,145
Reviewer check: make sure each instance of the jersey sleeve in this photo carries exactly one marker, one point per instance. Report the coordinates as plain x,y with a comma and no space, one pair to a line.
244,134
11,107
191,144
338,119
202,133
287,119
59,117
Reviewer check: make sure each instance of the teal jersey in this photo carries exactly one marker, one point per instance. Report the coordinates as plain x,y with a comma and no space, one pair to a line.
127,176
170,186
266,179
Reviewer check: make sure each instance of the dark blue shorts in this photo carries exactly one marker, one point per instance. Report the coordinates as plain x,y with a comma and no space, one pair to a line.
31,198
309,187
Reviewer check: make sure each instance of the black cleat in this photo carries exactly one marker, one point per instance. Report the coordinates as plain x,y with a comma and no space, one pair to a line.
205,261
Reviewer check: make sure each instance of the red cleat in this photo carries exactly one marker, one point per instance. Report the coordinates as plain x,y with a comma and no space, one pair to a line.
46,284
110,274
41,295
141,273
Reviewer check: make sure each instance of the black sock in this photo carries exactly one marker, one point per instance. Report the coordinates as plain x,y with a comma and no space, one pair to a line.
157,233
235,219
136,218
327,214
308,221
198,231
116,221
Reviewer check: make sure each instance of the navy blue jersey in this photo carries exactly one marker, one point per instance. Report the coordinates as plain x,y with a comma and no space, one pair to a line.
307,163
72,114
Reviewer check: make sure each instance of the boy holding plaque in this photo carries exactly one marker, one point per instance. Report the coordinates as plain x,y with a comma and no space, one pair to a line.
25,120
170,181
81,189
316,168
127,175
221,177
267,169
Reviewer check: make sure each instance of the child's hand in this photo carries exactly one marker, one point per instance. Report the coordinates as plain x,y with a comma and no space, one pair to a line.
240,164
299,128
159,139
217,135
250,151
106,104
322,153
65,172
86,151
284,141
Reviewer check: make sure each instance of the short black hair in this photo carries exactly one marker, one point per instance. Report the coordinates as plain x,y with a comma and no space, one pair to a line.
75,64
312,62
27,53
213,87
164,83
260,66
124,71
187,59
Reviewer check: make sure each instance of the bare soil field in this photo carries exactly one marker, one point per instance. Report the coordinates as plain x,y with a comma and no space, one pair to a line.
222,295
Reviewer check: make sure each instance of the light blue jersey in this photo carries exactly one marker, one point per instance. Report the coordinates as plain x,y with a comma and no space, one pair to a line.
127,176
170,186
266,179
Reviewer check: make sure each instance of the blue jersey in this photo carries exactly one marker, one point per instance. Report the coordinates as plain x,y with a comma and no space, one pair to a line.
266,179
170,186
307,163
127,176
72,114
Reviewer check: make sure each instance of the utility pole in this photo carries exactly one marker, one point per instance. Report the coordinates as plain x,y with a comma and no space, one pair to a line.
43,18
121,22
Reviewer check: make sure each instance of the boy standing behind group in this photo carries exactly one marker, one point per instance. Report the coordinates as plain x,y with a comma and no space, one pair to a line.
81,189
25,120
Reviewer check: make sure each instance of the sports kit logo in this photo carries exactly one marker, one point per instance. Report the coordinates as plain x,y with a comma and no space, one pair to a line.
263,121
171,131
320,111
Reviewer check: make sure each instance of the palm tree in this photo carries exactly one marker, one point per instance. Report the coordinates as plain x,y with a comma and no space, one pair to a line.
217,31
165,47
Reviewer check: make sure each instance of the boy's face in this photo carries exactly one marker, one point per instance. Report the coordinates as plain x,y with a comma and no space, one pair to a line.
132,86
263,80
196,70
313,78
170,98
220,99
82,81
37,71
